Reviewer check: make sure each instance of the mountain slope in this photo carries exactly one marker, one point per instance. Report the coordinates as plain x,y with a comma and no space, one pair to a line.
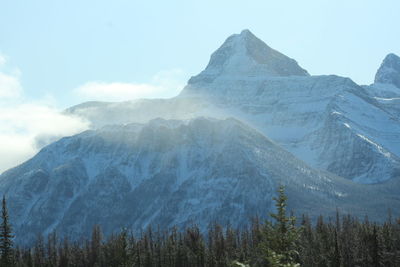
328,121
165,173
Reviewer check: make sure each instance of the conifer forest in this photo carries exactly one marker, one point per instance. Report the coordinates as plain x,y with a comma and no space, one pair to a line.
280,241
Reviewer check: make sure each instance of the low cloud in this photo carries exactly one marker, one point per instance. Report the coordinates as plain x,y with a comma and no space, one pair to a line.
27,127
163,85
24,124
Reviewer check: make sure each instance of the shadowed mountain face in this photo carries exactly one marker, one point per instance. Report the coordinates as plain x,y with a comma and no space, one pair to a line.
251,120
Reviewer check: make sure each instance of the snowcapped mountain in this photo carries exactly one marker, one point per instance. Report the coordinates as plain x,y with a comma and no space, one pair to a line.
251,120
330,122
166,172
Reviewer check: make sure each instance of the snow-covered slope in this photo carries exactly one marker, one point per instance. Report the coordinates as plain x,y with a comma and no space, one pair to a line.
329,122
244,55
166,173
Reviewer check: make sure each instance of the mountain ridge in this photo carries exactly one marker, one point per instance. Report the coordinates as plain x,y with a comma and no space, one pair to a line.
166,173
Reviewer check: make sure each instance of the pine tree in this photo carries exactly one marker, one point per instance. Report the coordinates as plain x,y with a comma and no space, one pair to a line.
6,243
39,252
336,252
279,244
376,254
95,246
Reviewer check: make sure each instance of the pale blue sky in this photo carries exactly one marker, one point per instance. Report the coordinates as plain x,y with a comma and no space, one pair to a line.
58,46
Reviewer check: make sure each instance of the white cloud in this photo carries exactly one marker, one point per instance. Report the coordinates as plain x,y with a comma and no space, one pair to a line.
10,86
25,126
35,119
164,84
14,150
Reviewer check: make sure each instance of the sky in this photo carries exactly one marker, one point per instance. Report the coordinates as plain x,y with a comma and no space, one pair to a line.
55,54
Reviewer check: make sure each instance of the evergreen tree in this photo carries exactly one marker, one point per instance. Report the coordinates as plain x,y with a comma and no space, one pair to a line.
95,246
6,243
279,244
376,254
39,252
345,242
336,252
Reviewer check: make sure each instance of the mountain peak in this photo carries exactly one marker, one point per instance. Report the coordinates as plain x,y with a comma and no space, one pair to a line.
389,71
246,33
245,55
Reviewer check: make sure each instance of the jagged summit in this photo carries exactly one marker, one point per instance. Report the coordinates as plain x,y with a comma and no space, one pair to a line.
389,71
245,55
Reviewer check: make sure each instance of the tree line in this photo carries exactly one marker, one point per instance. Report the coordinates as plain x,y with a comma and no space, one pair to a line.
280,241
